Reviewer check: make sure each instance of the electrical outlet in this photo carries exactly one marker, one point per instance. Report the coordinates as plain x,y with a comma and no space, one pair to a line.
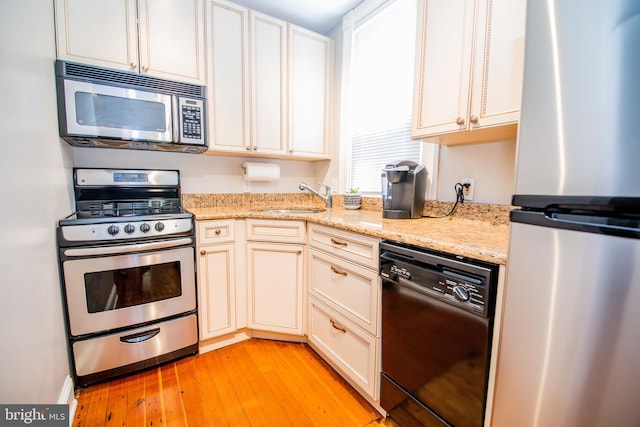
468,191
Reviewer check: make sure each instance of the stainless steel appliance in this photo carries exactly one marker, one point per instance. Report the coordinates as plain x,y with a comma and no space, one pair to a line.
437,324
570,340
128,267
403,189
99,107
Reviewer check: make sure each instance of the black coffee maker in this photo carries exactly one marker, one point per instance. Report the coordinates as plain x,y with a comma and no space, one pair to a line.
403,186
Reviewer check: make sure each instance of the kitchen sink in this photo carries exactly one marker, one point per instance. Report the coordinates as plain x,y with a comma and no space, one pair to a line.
294,211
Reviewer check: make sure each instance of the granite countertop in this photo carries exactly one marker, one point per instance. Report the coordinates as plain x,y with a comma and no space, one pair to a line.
475,238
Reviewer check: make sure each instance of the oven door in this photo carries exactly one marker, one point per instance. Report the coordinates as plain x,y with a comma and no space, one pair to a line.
129,285
95,110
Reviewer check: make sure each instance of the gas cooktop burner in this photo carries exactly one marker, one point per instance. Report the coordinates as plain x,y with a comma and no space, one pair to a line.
126,209
125,205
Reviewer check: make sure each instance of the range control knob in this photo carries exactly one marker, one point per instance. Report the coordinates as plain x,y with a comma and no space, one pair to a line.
129,228
113,230
159,226
461,293
144,227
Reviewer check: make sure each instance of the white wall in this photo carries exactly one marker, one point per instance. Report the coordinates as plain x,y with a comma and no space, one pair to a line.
201,173
34,173
492,165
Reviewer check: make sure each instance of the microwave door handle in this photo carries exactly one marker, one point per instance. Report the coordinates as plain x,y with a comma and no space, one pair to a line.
175,113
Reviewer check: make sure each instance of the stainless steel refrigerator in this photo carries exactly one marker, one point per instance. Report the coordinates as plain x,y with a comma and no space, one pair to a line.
569,353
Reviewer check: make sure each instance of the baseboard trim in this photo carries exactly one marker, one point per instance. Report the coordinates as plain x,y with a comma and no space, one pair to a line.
68,397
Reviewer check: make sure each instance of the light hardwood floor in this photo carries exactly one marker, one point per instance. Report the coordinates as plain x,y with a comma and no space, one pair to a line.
253,383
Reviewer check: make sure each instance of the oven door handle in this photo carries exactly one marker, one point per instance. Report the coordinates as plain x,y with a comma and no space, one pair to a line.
123,249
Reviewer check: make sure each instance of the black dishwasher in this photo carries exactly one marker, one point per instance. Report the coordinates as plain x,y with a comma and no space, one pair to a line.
437,323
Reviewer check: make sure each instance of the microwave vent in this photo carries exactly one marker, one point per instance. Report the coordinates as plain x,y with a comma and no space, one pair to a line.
105,75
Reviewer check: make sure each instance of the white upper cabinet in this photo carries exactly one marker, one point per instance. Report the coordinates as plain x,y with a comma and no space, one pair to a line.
469,59
228,88
269,85
161,38
310,72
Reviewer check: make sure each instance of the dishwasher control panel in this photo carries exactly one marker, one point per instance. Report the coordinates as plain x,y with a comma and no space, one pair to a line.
468,284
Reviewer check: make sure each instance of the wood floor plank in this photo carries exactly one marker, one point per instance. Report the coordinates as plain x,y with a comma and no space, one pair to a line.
310,393
263,357
117,404
136,408
194,387
154,399
253,383
92,411
228,400
173,402
251,391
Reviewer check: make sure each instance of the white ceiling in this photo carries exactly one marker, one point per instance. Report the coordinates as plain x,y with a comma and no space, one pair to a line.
317,15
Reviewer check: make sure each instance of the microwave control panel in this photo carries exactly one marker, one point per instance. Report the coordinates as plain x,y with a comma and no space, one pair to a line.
192,121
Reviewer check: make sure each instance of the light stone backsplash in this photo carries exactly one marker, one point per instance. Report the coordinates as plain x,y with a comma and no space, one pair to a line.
493,214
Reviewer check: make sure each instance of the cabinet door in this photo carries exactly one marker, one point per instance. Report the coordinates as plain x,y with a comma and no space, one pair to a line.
275,287
443,66
498,63
98,32
268,83
228,87
310,72
171,34
217,290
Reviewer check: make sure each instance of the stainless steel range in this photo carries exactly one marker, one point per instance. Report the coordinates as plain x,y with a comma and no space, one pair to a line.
127,260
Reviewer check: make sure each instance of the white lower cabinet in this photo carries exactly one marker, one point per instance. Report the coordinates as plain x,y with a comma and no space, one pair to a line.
353,351
275,275
216,278
344,304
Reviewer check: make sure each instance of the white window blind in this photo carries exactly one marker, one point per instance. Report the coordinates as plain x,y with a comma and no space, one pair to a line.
381,85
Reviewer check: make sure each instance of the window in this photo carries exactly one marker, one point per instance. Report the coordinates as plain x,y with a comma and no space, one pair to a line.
379,80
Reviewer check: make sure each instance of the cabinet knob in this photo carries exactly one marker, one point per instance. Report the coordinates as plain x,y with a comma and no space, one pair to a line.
203,252
460,121
474,120
218,231
291,150
248,148
145,68
255,148
133,65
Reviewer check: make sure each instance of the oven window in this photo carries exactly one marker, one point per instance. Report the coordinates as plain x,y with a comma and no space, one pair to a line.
113,289
121,113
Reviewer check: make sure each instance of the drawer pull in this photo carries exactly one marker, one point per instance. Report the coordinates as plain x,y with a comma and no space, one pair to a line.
218,231
338,243
141,336
336,271
335,326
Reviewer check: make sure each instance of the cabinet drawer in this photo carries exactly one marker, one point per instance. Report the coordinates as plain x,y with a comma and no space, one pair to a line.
216,231
351,350
352,246
274,230
348,287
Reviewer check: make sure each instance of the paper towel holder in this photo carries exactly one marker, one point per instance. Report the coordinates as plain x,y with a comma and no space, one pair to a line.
260,171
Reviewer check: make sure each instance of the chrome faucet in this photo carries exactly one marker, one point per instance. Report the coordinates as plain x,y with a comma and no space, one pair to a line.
328,199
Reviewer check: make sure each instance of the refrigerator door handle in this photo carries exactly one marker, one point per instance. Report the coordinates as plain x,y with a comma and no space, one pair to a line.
623,227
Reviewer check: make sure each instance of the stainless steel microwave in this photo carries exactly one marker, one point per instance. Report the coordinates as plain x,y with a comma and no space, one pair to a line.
99,107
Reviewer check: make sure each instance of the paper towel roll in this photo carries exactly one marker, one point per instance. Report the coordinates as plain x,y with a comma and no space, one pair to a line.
260,171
